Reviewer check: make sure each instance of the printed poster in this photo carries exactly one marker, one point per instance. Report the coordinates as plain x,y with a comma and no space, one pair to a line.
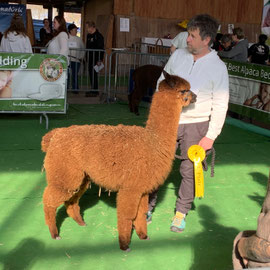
33,83
6,13
250,86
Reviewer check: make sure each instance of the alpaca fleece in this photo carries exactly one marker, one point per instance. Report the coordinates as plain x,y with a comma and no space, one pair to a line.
130,160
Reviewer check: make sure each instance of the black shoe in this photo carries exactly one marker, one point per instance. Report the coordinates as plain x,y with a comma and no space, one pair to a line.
75,92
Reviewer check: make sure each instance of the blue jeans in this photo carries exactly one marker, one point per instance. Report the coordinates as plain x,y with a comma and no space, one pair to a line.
75,67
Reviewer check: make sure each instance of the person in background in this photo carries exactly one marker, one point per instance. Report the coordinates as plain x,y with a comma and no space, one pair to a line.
217,42
226,42
180,41
15,38
94,41
201,122
59,43
76,55
45,33
240,51
258,53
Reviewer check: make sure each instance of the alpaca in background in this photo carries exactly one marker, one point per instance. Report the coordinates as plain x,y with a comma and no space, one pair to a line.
144,77
130,160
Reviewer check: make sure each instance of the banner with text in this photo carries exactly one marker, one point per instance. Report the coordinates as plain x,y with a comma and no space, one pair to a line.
6,13
250,88
33,83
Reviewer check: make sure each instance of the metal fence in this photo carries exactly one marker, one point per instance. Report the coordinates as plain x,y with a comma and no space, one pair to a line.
82,76
114,80
122,63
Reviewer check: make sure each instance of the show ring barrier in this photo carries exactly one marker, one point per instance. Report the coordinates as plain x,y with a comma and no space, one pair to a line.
38,83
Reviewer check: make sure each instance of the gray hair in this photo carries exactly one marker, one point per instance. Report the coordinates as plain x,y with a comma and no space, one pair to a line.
206,24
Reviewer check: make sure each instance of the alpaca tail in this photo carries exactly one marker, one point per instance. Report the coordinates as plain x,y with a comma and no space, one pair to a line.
46,140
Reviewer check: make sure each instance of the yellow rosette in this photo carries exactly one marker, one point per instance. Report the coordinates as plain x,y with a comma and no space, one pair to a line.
197,154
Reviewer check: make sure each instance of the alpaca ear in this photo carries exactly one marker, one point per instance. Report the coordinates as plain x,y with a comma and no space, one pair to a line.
168,79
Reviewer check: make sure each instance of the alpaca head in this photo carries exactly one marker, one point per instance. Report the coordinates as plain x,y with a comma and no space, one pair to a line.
179,87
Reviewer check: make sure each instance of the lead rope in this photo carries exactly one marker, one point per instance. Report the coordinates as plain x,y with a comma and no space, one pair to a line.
213,162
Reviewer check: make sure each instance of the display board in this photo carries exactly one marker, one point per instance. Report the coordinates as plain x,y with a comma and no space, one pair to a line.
33,83
6,14
249,89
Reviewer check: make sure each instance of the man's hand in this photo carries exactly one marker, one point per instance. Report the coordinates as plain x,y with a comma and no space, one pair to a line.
206,143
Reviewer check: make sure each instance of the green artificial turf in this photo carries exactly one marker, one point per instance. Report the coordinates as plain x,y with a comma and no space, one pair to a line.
232,202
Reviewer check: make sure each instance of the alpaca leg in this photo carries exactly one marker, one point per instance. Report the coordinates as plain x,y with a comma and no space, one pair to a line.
72,206
137,97
73,210
140,220
130,101
51,200
127,207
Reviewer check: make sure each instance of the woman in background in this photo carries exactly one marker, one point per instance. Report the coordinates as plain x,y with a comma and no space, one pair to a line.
59,43
45,33
15,38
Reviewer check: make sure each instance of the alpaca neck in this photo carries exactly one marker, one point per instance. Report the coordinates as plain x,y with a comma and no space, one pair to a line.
164,116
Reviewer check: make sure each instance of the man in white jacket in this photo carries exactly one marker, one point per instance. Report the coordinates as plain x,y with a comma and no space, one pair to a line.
200,122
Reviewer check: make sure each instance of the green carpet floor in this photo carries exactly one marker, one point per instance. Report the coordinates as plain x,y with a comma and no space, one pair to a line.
232,202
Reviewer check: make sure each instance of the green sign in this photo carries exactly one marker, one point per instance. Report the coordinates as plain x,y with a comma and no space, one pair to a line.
249,89
248,71
33,83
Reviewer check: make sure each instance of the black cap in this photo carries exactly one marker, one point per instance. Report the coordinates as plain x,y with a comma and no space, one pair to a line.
72,26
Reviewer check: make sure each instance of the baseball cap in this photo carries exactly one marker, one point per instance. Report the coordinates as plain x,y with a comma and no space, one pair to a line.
183,24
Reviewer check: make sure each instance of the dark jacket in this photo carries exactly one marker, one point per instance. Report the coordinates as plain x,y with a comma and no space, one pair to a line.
258,53
44,36
95,41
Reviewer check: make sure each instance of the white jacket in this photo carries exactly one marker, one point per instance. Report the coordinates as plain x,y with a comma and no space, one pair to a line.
59,45
208,77
75,45
180,41
16,43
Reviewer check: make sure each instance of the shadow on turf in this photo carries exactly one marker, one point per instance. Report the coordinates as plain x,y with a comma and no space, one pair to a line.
212,247
262,180
24,255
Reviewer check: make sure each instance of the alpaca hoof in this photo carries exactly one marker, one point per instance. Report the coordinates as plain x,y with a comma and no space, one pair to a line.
144,237
125,248
55,236
82,224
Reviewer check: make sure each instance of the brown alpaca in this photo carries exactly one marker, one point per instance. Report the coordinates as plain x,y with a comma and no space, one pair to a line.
130,160
144,77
